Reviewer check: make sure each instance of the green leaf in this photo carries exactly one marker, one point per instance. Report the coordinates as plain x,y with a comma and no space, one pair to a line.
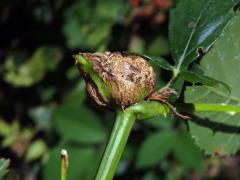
195,25
204,80
160,122
158,61
159,46
75,121
155,148
4,165
9,132
218,132
136,44
187,152
24,74
37,149
88,24
41,115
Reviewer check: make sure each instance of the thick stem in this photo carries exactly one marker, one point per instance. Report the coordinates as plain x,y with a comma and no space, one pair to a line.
116,144
122,128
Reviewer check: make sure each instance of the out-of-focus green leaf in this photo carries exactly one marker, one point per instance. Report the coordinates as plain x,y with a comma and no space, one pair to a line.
8,128
4,165
37,149
47,93
72,73
159,46
9,132
77,95
79,124
42,117
204,80
76,122
160,122
195,25
217,132
88,25
187,153
26,74
155,148
83,162
136,45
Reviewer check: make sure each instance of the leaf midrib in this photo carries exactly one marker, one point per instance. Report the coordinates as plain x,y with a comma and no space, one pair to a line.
184,55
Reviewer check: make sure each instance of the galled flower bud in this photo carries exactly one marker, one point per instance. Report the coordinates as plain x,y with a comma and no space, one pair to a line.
128,78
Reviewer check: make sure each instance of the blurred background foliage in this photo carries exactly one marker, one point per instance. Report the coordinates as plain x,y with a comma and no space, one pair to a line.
43,104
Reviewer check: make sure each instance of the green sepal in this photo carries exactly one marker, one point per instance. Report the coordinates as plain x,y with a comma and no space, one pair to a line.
85,65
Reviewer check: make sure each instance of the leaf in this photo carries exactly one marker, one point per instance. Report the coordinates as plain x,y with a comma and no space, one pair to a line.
75,121
186,152
195,25
155,148
159,46
9,132
4,165
88,25
41,115
136,44
204,80
158,61
37,149
25,74
218,132
160,122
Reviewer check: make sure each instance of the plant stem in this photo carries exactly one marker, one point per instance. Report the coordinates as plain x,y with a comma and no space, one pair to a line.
116,144
64,164
205,107
198,107
122,128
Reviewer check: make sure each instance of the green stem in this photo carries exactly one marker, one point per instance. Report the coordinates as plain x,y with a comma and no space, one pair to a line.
216,107
64,164
122,128
116,144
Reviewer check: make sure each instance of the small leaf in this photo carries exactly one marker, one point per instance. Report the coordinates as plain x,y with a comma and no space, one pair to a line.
41,115
4,165
25,74
204,80
155,148
195,25
37,149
